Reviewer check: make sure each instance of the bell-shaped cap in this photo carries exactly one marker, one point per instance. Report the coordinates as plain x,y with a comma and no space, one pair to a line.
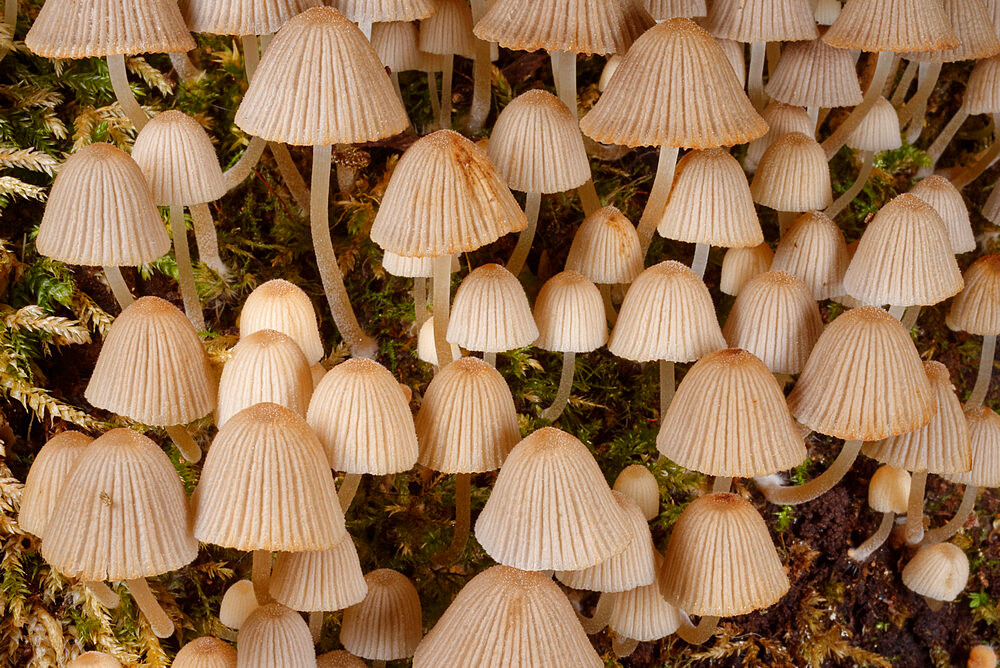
662,10
241,17
939,572
976,309
375,11
319,83
814,74
206,652
947,200
814,250
448,30
974,28
386,625
396,45
94,660
321,580
491,312
793,175
606,248
444,197
739,265
679,67
889,490
339,658
101,212
721,560
177,159
426,349
982,90
567,521
519,619
570,315
864,380
896,25
237,604
781,119
667,315
46,477
283,307
984,440
122,513
152,367
761,20
642,613
273,635
244,498
878,129
639,484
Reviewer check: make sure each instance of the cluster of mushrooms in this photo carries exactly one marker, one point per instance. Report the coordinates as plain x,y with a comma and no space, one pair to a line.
113,508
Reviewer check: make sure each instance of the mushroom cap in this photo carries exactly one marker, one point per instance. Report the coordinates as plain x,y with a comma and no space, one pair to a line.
444,197
386,625
827,11
739,265
206,652
721,560
776,318
640,485
889,490
677,66
976,309
570,316
710,202
426,349
761,20
448,30
734,54
363,420
975,30
947,200
606,248
467,422
982,656
661,10
904,257
153,346
273,635
813,249
938,571
781,119
491,312
642,613
814,74
320,82
244,500
177,159
893,25
101,212
982,90
376,11
536,145
339,658
568,521
984,441
667,314
122,513
793,175
237,604
286,308
878,129
396,45
863,380
94,660
77,29
44,483
321,580
729,418
241,17
519,619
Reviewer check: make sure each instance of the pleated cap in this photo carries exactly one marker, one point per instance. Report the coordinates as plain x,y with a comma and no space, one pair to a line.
761,20
320,82
101,212
678,66
396,45
863,380
374,11
982,91
721,560
878,129
889,490
153,346
241,17
467,422
814,74
491,312
814,250
122,513
321,580
974,28
793,175
363,419
904,257
667,314
339,658
896,25
536,145
237,604
273,635
710,202
177,158
206,652
286,308
739,265
98,28
947,200
984,440
976,309
639,484
569,312
519,619
94,660
48,472
426,349
668,9
444,197
244,499
551,508
939,572
448,30
606,248
781,119
642,613
386,625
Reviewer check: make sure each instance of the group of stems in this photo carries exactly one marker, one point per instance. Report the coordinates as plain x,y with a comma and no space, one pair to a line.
790,495
883,69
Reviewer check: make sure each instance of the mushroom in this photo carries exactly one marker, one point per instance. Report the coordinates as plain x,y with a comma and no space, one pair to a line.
283,307
938,572
606,250
339,658
792,176
739,265
448,33
94,660
661,10
814,250
982,656
947,200
366,13
781,119
641,615
386,625
237,604
814,75
888,493
636,481
273,635
205,652
976,309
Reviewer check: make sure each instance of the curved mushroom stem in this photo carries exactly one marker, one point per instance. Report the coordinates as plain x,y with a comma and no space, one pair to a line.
207,240
867,163
251,54
553,412
933,604
623,646
238,173
755,77
913,112
157,618
700,261
609,308
697,635
185,273
903,87
316,625
348,489
463,521
785,220
564,74
185,69
481,84
972,172
666,386
791,495
722,485
658,194
865,550
915,508
532,203
435,100
602,613
442,304
943,139
260,575
444,119
982,385
950,528
420,313
103,593
126,98
490,357
290,174
118,286
182,439
883,68
909,319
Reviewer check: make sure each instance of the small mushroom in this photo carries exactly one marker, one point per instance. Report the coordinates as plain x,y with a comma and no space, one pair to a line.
888,493
386,625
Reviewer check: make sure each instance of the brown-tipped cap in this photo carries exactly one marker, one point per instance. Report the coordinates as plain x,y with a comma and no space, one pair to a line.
939,572
606,248
710,202
569,312
386,625
864,380
640,485
94,660
976,309
815,74
643,614
662,10
739,265
676,66
982,92
237,604
781,120
244,499
518,618
878,130
491,312
444,197
153,346
813,249
320,82
101,212
322,580
889,490
273,635
762,20
286,308
568,521
896,25
975,30
177,158
667,315
947,200
467,422
206,652
46,477
776,318
793,175
536,145
904,257
363,420
374,11
339,658
122,513
984,441
75,29
720,560
396,45
448,30
241,17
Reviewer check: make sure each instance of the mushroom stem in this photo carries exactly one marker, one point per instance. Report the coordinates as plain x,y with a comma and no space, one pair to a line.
182,439
609,308
785,220
982,385
813,114
185,273
290,174
260,575
867,163
623,646
105,595
124,94
532,203
791,495
951,527
238,173
697,635
944,137
700,261
933,604
553,412
481,83
564,74
432,91
420,313
251,54
394,77
865,550
666,386
915,508
972,172
378,664
360,343
903,87
773,56
316,625
755,77
915,110
463,520
602,613
490,357
158,621
185,69
722,485
897,311
883,68
658,194
444,119
207,240
118,286
348,489
909,319
442,303
588,197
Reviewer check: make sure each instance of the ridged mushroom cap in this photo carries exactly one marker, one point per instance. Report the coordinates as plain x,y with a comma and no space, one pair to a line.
206,652
273,635
94,660
947,200
101,212
734,54
570,315
982,91
761,20
320,82
46,477
984,442
814,250
606,248
339,658
781,119
241,17
739,265
237,604
122,513
396,45
721,560
889,490
878,129
974,28
863,380
283,307
976,309
567,521
893,25
642,613
639,484
321,580
520,619
814,74
938,571
413,267
177,159
386,625
793,175
491,312
374,11
668,9
426,349
448,30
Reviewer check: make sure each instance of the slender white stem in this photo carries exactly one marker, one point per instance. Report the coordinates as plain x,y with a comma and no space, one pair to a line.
916,109
348,490
791,495
909,319
238,173
982,385
867,163
755,78
185,273
103,593
602,613
609,308
182,439
532,202
435,100
463,521
185,69
126,98
965,509
118,286
697,635
722,485
260,574
813,114
883,68
903,87
290,174
158,620
444,120
207,240
982,163
896,311
666,387
944,138
442,304
564,75
251,54
553,412
915,508
700,261
482,86
316,625
588,197
874,542
658,194
420,313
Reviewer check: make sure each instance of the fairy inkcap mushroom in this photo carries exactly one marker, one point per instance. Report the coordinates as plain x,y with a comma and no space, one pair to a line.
814,250
491,313
386,625
286,308
237,604
273,635
976,310
739,265
792,176
339,658
640,485
937,572
321,580
947,200
888,493
46,477
94,660
206,652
